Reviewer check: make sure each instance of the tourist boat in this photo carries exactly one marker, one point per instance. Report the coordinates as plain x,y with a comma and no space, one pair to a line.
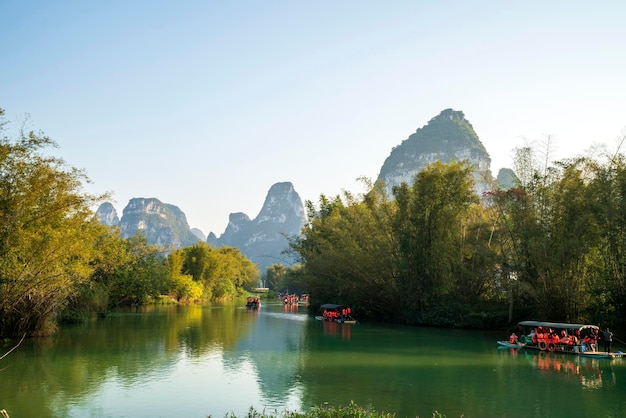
253,303
579,339
336,313
291,299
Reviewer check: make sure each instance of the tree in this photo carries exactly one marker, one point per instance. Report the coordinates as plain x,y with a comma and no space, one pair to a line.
143,276
294,281
548,237
431,218
222,273
507,208
47,233
608,200
184,288
274,275
348,251
572,237
93,295
475,282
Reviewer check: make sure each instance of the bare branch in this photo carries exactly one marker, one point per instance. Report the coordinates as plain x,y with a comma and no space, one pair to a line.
18,344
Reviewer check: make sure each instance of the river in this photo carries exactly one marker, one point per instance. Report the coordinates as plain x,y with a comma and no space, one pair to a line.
199,361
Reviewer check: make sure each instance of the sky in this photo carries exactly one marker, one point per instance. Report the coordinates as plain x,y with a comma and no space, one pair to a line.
206,104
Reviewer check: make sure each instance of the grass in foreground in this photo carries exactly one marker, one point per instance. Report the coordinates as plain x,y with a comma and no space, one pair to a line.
351,411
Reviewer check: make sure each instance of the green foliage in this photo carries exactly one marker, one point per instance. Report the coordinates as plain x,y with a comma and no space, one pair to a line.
560,236
430,223
347,249
201,271
608,206
184,288
396,260
293,281
125,272
285,279
552,248
274,277
352,410
47,234
144,276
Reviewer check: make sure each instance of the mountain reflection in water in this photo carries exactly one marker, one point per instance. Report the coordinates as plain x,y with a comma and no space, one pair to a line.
194,361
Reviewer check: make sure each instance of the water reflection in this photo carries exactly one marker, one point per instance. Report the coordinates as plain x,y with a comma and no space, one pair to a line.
200,360
275,345
157,362
334,328
590,372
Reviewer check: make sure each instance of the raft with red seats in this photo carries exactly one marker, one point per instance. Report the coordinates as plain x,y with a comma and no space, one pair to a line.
253,303
559,337
336,313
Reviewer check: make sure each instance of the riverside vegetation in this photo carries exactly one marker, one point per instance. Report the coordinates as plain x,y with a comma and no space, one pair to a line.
553,247
350,411
58,263
434,253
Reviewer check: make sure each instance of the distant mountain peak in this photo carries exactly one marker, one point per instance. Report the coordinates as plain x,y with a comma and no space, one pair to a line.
281,204
107,214
263,239
447,137
198,233
161,223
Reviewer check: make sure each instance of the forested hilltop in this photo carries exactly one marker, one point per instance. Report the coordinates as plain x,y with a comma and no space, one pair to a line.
433,252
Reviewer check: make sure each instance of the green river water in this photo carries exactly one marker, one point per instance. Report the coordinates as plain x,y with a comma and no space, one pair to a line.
200,361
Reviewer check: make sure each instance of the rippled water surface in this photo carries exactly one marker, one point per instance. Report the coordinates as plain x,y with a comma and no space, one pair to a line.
212,360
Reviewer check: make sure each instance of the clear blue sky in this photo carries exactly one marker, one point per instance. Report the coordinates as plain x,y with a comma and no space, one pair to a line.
207,104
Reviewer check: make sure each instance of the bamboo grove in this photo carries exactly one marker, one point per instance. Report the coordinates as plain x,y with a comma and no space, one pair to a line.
58,263
434,253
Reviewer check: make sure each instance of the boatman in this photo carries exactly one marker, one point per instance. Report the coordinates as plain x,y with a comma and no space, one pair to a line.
608,339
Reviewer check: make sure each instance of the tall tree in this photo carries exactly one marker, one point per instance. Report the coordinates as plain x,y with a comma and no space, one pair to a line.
143,276
274,276
349,252
47,233
223,272
608,199
431,218
184,288
572,235
509,210
550,236
475,282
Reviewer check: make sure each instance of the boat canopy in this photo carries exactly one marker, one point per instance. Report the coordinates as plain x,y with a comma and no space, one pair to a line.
557,325
332,307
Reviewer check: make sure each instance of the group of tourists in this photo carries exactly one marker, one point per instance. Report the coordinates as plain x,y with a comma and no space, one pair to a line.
548,339
290,299
253,302
337,314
